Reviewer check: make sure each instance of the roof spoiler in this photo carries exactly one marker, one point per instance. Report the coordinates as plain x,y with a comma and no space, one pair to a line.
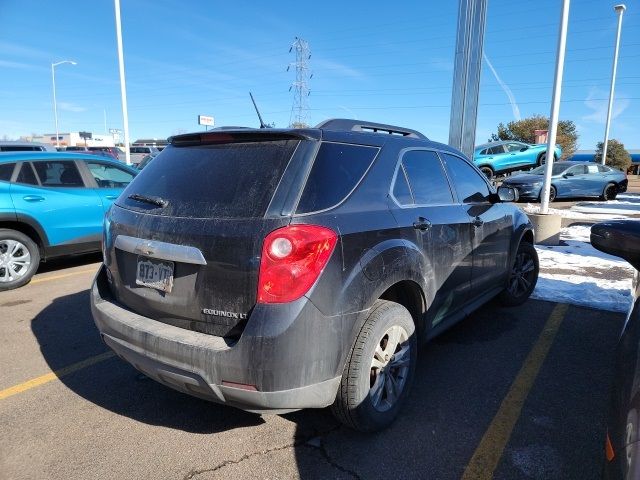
240,135
370,127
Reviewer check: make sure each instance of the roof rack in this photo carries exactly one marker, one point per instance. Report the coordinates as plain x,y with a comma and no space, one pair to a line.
368,127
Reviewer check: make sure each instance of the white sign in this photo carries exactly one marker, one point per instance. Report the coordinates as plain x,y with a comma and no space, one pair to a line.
204,120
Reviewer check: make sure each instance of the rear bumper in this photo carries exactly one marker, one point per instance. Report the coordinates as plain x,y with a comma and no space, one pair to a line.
293,364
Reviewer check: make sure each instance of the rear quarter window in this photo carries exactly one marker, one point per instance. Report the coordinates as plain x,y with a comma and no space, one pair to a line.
6,171
336,171
235,180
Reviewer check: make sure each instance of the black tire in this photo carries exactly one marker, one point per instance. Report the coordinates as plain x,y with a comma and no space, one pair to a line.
610,192
488,171
521,280
552,194
542,158
354,405
23,276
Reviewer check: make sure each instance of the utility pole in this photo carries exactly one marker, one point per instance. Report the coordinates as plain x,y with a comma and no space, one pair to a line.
466,75
620,11
555,107
123,88
300,109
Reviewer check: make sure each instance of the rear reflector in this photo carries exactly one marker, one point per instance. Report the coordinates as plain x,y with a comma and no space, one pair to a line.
241,386
608,449
293,258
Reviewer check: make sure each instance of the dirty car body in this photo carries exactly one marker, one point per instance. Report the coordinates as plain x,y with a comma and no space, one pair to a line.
235,326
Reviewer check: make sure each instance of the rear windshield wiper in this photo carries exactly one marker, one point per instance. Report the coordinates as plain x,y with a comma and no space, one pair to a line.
152,200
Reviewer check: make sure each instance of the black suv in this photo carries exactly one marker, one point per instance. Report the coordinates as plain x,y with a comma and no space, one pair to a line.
289,269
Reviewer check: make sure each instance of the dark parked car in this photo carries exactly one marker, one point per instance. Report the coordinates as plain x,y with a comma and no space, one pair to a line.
622,444
289,269
570,180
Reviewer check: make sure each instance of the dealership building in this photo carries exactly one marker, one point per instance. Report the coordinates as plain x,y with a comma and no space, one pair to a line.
75,139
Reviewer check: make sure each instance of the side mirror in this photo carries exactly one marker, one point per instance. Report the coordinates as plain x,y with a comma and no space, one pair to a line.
524,149
507,194
567,175
620,238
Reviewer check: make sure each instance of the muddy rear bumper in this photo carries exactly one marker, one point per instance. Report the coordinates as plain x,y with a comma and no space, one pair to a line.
289,357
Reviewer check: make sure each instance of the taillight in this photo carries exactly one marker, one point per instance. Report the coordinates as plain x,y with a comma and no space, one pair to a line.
292,259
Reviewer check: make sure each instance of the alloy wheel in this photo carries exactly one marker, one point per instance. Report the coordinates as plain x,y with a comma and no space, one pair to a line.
522,275
15,260
390,368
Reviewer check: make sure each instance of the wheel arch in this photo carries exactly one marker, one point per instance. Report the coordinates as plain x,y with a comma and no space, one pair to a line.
28,226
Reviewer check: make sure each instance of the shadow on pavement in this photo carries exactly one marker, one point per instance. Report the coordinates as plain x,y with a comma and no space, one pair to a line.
66,334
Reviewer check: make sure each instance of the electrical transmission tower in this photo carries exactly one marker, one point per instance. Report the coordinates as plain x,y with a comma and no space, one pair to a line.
300,109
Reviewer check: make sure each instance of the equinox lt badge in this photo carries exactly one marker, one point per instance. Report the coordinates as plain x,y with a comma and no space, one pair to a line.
222,313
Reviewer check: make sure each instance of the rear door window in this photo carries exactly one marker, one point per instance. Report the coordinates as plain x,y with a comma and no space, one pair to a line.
6,171
58,174
234,180
336,171
427,180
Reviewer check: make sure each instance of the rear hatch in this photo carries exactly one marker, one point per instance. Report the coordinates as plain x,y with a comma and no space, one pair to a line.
199,214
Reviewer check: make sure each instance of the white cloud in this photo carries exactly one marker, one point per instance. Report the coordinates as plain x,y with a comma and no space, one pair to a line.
597,101
341,69
70,107
19,65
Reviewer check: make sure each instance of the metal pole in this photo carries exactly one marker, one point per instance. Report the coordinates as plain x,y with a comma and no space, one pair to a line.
123,88
55,108
620,10
466,75
555,107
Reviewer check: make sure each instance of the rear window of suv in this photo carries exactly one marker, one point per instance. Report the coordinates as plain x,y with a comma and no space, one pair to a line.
235,180
336,171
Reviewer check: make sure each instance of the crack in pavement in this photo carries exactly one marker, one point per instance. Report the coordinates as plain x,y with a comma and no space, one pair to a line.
303,442
333,463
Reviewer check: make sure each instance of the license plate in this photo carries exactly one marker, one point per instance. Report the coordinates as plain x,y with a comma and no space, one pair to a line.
155,274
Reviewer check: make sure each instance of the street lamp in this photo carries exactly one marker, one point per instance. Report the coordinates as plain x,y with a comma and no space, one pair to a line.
620,11
55,107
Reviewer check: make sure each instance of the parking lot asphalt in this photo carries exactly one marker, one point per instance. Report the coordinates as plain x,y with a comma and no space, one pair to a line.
507,393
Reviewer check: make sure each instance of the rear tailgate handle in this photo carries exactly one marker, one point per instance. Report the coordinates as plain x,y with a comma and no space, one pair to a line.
477,222
422,224
33,198
160,250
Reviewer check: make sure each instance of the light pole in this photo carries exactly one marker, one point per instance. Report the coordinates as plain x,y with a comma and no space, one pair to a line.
620,11
123,88
55,107
555,107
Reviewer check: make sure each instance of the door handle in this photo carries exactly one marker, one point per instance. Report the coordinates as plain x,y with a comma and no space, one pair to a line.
422,224
111,197
33,198
477,222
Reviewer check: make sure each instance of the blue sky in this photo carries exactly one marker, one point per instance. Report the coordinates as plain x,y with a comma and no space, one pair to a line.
379,61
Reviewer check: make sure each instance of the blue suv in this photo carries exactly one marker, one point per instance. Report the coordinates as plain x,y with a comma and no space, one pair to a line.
51,205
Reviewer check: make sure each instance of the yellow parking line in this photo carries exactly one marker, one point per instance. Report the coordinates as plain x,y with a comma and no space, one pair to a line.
41,380
64,275
488,453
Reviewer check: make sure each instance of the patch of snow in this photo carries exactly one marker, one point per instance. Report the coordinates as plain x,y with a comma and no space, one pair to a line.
611,207
578,274
531,208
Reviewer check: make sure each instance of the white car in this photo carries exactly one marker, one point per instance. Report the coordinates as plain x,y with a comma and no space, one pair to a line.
139,152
